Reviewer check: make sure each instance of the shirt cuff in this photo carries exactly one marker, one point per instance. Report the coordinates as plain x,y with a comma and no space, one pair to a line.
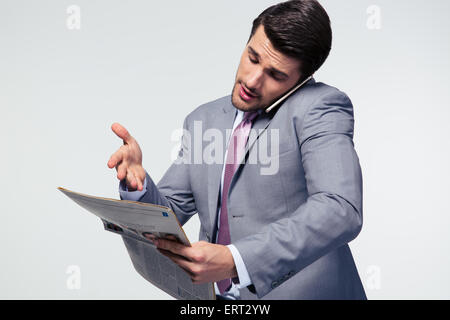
131,195
244,278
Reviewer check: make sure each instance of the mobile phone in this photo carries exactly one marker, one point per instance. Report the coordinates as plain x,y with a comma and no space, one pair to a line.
287,94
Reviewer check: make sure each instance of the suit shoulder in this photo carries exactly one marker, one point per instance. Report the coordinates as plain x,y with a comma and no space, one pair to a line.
318,94
209,108
319,90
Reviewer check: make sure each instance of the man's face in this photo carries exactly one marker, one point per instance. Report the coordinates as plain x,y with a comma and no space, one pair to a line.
264,74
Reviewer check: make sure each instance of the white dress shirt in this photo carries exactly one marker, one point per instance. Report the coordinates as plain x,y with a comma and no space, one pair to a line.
244,278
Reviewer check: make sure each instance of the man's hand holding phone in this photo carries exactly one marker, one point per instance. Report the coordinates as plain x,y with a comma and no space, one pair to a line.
128,160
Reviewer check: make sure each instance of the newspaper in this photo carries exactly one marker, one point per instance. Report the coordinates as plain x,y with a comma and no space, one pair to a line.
139,223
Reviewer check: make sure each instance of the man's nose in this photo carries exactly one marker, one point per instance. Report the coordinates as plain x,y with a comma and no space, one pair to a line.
255,80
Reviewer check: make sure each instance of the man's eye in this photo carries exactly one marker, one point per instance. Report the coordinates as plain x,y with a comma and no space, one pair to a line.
252,60
276,77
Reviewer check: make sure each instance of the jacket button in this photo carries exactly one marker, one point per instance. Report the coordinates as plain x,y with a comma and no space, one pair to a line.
274,284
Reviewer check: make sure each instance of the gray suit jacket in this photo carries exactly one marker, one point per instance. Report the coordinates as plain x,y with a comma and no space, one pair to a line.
292,227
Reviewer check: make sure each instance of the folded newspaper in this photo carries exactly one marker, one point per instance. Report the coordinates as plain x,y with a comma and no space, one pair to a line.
139,224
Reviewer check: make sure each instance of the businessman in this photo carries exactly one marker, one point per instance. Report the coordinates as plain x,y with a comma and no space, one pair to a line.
281,233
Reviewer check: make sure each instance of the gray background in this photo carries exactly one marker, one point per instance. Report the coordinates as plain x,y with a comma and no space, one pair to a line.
147,64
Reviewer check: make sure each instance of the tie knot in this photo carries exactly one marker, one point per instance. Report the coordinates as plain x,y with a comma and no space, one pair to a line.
250,116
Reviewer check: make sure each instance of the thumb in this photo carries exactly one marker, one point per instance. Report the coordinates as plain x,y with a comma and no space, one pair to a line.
121,132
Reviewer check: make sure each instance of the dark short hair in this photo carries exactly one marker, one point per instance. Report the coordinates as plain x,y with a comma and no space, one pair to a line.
299,29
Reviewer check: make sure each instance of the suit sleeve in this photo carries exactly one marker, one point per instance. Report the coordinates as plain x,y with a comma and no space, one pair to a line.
174,189
332,214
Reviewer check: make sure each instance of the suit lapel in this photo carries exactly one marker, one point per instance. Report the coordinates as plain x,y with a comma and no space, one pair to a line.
223,121
259,126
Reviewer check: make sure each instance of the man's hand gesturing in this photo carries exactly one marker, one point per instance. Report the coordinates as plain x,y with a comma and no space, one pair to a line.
128,160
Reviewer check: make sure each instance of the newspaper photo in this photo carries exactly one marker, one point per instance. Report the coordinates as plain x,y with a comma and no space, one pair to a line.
139,224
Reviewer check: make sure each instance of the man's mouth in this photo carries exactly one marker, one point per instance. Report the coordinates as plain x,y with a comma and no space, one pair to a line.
245,95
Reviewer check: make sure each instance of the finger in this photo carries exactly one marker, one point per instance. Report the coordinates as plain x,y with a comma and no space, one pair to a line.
121,132
173,238
141,175
186,265
131,180
174,247
121,170
139,184
115,159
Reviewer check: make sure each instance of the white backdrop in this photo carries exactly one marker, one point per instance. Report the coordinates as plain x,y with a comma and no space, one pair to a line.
147,64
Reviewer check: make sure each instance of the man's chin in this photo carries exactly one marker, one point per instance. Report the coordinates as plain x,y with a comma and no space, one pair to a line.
239,104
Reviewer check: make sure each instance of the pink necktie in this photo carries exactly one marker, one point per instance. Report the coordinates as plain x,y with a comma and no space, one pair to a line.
235,153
